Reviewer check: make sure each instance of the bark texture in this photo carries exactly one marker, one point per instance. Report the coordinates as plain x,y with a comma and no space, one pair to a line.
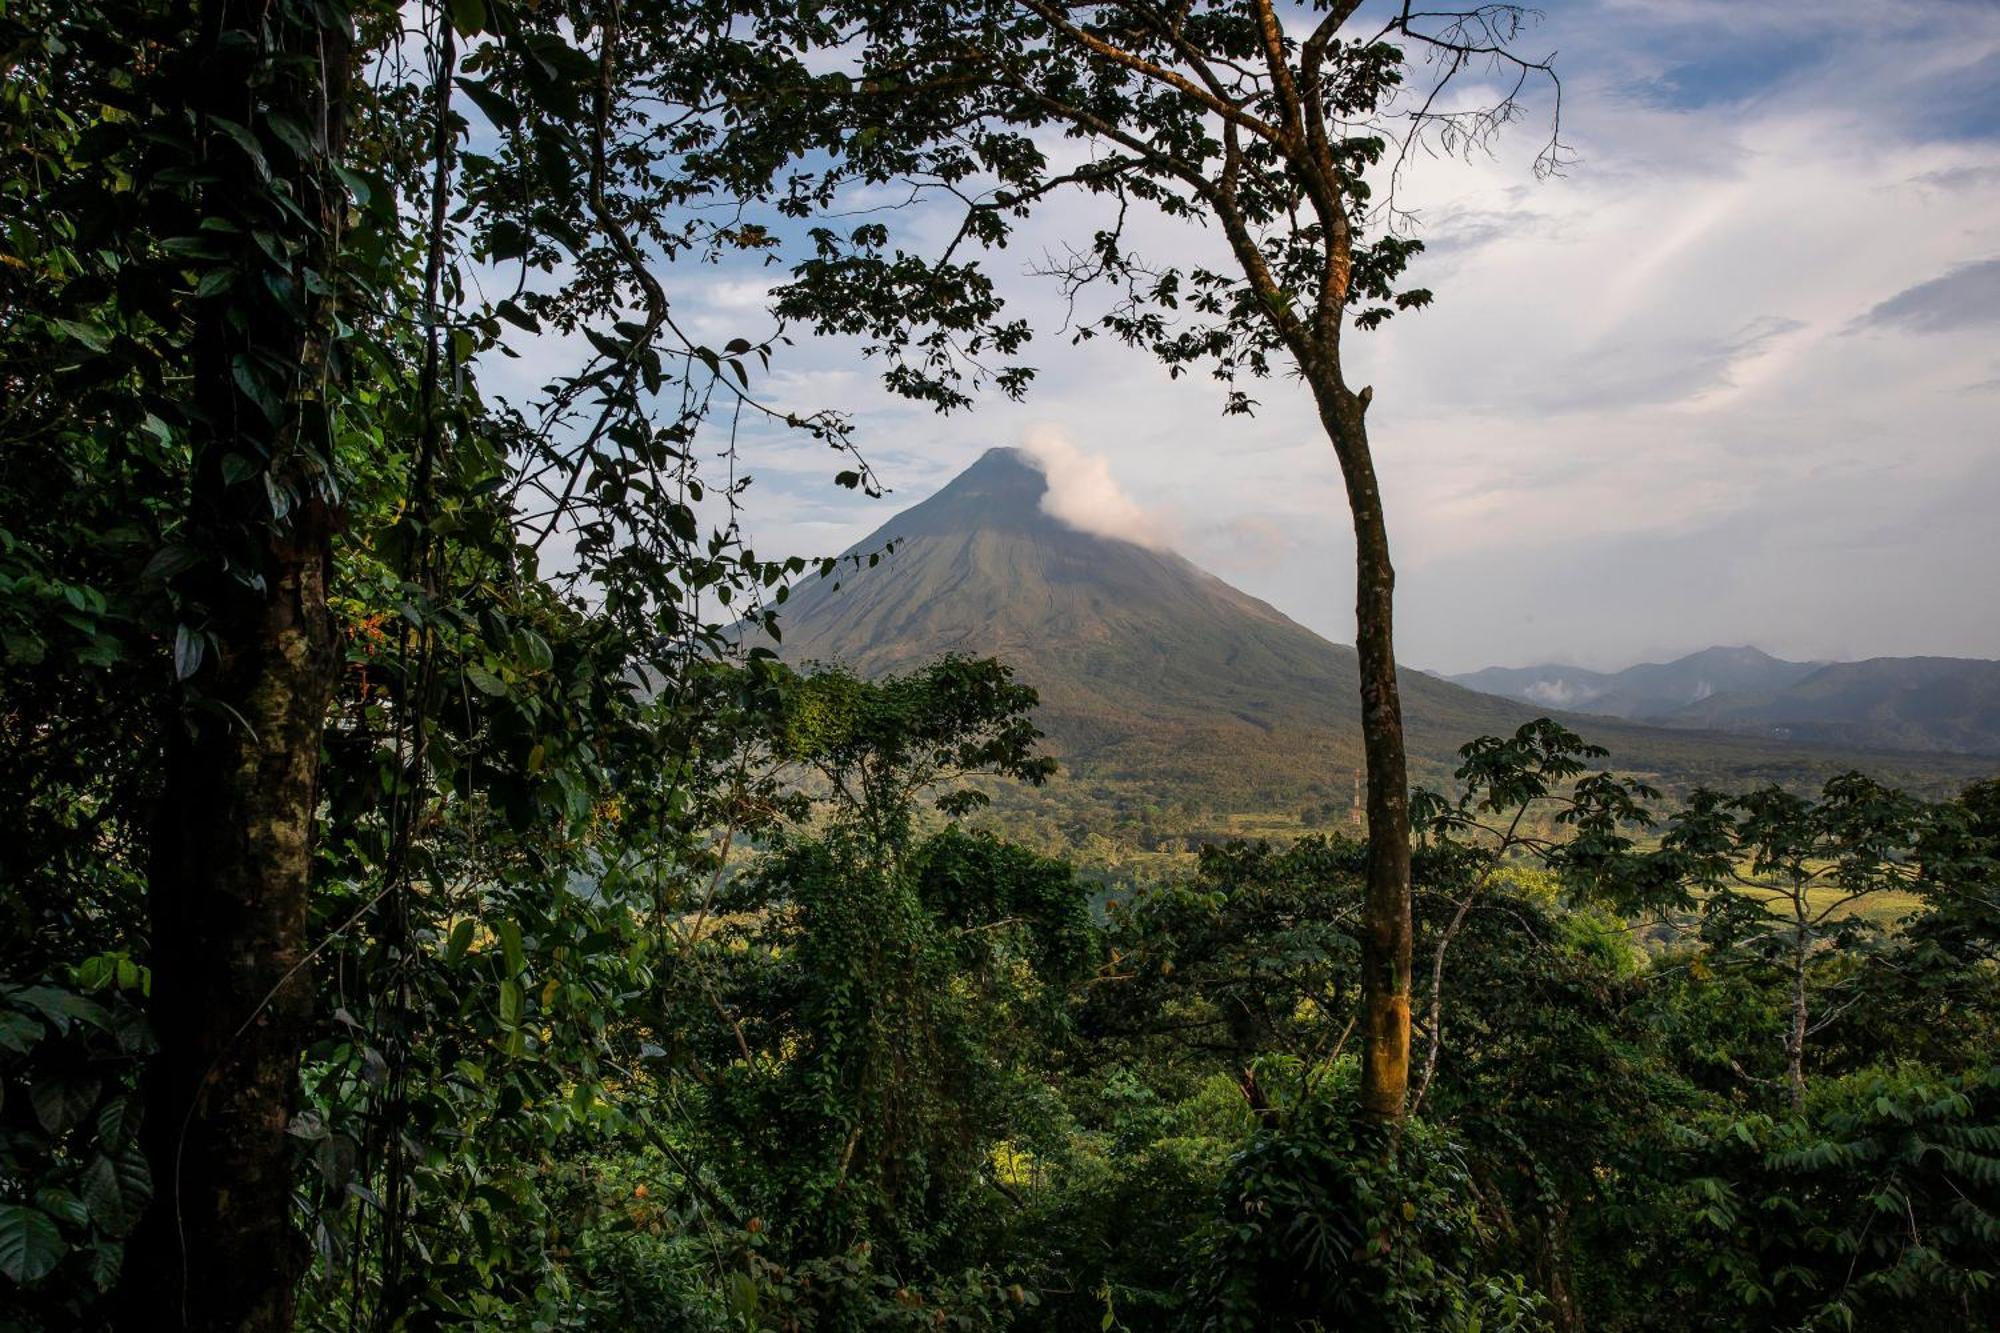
1387,934
229,898
231,868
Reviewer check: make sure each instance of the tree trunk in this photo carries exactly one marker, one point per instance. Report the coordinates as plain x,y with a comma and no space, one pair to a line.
1386,929
231,868
229,896
1795,1039
1558,1276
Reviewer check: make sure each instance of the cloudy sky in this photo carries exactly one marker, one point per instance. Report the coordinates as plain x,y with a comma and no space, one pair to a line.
1734,377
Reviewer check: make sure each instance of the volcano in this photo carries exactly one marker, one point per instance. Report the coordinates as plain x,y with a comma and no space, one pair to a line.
1154,672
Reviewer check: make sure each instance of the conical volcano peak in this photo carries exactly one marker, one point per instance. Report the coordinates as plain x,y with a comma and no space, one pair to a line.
1150,670
1002,473
1048,489
999,459
1145,663
1003,489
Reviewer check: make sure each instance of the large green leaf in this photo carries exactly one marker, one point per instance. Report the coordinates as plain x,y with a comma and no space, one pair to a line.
62,1007
118,1121
30,1244
116,1190
511,951
61,1101
18,1031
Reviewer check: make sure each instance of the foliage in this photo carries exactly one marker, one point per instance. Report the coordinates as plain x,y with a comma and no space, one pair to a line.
1874,1210
1324,1231
879,743
886,1001
69,1126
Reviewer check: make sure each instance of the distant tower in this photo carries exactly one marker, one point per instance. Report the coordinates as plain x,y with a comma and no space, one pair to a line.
1355,813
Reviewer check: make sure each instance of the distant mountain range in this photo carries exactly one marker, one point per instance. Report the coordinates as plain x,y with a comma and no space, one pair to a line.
1159,679
1902,703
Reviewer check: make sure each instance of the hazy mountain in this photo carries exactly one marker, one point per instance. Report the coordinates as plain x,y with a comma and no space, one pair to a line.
1895,703
1905,703
1155,672
1651,690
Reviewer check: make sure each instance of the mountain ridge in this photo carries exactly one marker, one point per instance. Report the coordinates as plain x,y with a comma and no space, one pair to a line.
1946,704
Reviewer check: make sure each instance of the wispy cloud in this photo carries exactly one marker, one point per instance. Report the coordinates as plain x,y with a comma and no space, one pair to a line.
1967,296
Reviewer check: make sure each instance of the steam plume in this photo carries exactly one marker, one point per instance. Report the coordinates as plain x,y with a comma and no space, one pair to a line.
1083,493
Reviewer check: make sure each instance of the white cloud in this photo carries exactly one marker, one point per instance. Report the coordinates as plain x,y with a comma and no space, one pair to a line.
1559,693
1083,493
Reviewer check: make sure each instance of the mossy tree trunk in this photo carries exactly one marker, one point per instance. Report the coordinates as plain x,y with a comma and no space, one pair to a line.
260,93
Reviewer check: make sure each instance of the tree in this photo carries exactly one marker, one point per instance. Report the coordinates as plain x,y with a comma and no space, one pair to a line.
1220,113
884,995
1532,786
881,744
1782,877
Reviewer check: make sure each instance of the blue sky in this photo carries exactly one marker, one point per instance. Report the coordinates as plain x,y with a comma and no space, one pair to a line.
1734,377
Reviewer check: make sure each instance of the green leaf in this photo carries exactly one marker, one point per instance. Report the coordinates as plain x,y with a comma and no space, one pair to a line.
510,947
511,311
62,1205
255,389
30,1245
116,1190
460,941
169,560
513,1002
118,1122
247,142
358,185
62,1007
742,1295
485,681
105,1259
188,650
19,1032
496,106
468,16
294,136
92,336
536,649
62,1101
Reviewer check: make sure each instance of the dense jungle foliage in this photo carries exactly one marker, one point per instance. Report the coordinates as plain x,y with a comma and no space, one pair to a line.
419,913
869,1070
